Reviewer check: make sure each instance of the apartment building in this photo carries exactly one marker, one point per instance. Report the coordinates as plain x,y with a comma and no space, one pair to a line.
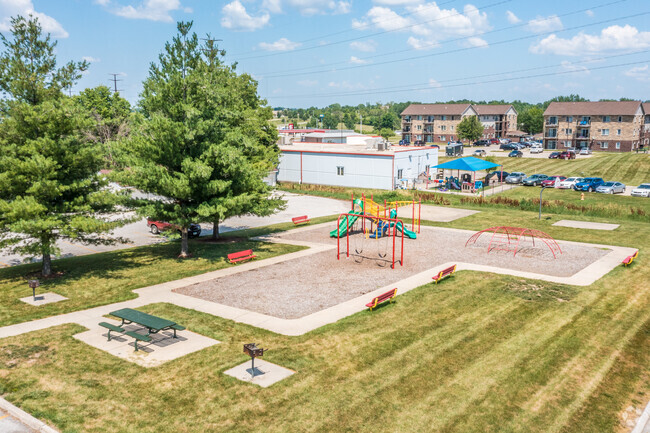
611,126
498,120
429,123
645,132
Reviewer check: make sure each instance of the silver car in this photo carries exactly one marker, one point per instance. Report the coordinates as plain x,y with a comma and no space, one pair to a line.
642,190
611,188
515,177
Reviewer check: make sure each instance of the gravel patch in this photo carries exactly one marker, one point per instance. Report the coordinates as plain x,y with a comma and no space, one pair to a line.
299,287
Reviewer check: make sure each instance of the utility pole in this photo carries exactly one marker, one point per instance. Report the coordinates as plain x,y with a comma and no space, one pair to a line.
210,49
115,80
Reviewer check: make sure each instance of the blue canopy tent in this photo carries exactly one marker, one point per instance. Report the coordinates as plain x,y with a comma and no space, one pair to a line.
469,163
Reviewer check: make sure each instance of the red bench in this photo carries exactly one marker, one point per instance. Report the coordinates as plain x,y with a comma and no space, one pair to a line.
241,256
388,296
445,273
300,220
629,259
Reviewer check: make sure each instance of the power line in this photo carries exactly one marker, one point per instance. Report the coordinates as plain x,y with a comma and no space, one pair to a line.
506,41
428,87
308,68
328,44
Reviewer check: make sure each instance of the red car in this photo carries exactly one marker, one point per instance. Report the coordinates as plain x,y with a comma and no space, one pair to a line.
158,226
567,154
494,141
550,182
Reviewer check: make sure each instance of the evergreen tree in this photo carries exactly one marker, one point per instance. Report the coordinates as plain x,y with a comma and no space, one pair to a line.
470,128
49,184
205,142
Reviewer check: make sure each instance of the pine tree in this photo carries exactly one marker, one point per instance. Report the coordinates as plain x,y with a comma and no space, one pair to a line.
206,142
50,188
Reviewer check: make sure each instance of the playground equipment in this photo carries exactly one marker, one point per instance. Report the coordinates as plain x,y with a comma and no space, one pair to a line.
509,239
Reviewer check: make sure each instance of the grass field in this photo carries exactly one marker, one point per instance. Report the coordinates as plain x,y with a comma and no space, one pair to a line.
477,353
629,168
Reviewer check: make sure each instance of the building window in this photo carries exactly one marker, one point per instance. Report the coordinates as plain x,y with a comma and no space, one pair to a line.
606,119
444,117
603,145
443,128
568,131
569,119
452,127
567,143
618,144
419,117
340,170
552,120
419,127
605,132
443,137
618,132
620,118
399,173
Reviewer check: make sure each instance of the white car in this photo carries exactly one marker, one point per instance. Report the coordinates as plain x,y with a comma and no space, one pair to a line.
536,149
642,190
611,188
479,153
585,151
569,182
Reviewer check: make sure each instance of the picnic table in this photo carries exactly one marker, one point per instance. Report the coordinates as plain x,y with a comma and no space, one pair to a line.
153,324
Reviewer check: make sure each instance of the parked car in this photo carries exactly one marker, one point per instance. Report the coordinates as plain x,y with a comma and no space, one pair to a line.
515,154
553,181
158,226
534,180
481,143
536,149
588,184
493,141
553,155
499,175
585,151
642,190
479,152
504,140
515,177
509,146
611,188
569,182
567,154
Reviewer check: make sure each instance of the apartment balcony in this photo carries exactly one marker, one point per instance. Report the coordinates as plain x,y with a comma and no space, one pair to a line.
406,129
582,136
406,120
584,124
548,123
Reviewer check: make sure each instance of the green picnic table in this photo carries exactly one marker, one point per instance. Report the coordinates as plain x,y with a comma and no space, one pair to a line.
153,324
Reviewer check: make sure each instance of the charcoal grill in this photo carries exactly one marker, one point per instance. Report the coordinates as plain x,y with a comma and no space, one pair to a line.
253,351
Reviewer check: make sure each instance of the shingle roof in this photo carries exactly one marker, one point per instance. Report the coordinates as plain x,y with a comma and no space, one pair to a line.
604,108
434,109
646,108
483,110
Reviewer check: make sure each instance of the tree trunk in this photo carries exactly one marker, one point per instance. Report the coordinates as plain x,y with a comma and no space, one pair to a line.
215,229
47,265
185,249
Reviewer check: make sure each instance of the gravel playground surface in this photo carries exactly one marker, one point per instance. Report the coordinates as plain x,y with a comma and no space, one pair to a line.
296,288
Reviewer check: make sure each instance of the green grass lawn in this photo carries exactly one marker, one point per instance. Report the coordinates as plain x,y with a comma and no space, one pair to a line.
629,168
477,353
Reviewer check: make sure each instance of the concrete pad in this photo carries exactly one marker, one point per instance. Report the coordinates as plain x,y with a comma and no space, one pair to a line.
44,298
266,373
586,225
163,347
438,213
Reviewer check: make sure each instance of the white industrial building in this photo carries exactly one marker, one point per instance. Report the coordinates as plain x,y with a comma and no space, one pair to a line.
353,165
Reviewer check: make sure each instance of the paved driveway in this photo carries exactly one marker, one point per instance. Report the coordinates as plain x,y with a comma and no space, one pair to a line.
9,424
138,232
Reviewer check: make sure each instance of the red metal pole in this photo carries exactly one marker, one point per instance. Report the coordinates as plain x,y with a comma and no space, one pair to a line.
419,214
384,208
413,219
347,236
338,237
394,231
402,252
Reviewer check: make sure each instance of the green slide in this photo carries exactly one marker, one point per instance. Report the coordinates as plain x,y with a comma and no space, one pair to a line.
407,232
343,226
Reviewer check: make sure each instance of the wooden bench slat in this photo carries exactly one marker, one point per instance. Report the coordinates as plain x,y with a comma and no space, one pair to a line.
240,256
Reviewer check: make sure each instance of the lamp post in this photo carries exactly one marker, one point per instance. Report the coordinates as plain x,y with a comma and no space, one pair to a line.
33,284
540,202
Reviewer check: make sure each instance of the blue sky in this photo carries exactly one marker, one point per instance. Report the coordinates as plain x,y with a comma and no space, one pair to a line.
315,53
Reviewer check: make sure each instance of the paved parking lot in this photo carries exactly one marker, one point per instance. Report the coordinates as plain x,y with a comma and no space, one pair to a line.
9,424
138,232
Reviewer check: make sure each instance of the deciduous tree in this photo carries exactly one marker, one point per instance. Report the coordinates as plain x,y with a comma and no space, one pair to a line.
470,128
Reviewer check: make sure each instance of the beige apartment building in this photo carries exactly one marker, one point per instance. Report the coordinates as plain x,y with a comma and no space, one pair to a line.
429,123
645,132
611,126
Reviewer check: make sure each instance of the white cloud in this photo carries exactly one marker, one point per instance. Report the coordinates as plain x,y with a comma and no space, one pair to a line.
235,17
572,67
357,61
90,59
12,8
641,73
367,46
307,83
308,7
397,2
613,38
102,2
428,22
153,10
476,42
434,83
512,18
282,44
545,24
590,13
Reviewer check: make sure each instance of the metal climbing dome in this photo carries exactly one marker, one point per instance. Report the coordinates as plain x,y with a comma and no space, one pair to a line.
509,239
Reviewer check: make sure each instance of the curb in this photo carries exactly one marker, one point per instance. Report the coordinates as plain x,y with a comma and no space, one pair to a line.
26,418
643,420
